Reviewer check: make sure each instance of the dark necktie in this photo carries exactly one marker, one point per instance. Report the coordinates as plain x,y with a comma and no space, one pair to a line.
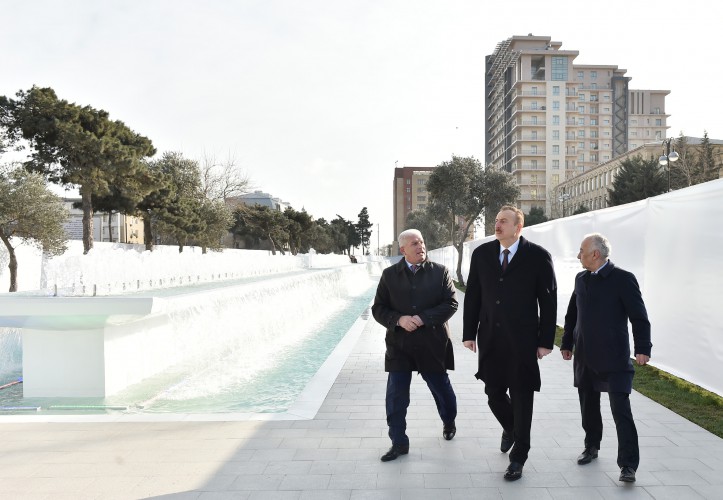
414,268
505,259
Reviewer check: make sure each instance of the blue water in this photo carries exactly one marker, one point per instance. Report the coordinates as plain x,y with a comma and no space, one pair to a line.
224,384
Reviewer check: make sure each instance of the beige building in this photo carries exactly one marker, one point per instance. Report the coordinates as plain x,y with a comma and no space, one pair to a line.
410,193
118,228
590,188
549,120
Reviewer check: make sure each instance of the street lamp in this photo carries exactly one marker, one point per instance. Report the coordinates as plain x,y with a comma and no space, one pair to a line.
562,199
668,157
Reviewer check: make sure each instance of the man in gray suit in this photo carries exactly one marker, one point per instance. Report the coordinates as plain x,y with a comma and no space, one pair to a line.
596,327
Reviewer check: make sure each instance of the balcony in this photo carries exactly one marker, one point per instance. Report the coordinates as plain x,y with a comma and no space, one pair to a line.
532,152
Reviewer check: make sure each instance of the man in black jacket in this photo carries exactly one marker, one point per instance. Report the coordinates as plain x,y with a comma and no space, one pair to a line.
414,300
510,280
596,326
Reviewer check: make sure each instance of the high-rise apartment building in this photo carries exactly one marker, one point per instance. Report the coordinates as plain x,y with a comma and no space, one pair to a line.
410,193
548,119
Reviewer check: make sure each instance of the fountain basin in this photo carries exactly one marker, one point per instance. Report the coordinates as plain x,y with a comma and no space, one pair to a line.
97,346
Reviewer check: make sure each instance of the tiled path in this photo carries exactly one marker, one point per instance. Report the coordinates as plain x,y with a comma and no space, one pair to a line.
335,455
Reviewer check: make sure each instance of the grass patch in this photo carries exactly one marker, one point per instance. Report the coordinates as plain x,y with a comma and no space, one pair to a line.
688,400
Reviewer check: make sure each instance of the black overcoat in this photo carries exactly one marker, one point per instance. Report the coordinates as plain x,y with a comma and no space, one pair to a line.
596,328
430,294
501,313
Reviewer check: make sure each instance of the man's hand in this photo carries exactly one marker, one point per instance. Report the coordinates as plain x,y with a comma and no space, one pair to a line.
471,345
542,352
410,323
642,359
566,355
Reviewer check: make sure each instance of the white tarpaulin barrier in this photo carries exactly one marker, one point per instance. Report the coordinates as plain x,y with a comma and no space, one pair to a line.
673,244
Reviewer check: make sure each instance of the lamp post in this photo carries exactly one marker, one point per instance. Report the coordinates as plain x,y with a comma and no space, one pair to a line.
378,253
562,199
668,157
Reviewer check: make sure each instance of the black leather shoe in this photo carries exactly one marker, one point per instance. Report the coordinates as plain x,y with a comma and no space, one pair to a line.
514,471
395,452
586,456
507,442
449,431
627,475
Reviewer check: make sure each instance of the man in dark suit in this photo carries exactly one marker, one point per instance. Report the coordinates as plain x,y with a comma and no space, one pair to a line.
596,327
414,300
510,279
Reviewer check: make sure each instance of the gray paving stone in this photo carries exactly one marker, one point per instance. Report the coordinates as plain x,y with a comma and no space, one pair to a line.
335,455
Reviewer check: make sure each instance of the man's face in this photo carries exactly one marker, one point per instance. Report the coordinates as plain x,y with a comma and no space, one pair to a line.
587,255
506,229
413,249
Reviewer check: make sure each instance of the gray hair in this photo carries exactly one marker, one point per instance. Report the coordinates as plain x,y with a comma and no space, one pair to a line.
600,243
406,234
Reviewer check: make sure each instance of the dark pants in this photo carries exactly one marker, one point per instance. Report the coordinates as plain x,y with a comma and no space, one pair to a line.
514,413
398,401
628,451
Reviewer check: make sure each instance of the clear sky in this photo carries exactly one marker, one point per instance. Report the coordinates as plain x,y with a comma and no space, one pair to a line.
318,100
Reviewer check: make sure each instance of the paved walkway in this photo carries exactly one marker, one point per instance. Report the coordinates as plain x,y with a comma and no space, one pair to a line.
335,455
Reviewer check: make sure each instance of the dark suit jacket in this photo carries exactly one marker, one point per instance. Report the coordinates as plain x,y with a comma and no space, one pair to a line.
596,327
429,293
501,313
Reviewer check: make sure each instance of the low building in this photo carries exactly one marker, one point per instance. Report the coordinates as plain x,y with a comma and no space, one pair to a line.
116,228
590,189
259,198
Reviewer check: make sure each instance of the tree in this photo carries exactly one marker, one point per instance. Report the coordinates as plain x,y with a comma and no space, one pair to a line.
536,216
343,235
683,171
462,189
320,238
217,219
31,214
222,180
363,230
707,168
299,225
581,209
161,173
181,216
74,145
259,222
637,179
436,233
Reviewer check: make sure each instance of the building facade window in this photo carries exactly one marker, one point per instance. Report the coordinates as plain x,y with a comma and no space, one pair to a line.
556,134
556,164
559,68
555,119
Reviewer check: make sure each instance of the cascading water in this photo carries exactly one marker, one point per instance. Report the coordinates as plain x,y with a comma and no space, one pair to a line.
239,349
